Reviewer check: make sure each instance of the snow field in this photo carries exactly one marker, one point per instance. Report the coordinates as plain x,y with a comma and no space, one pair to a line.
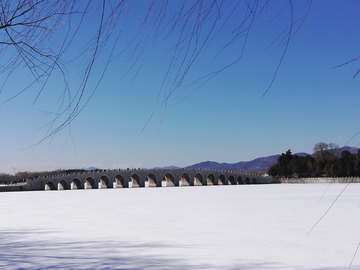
213,227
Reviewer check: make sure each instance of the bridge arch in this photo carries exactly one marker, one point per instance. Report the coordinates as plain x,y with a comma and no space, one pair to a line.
120,181
62,185
50,186
240,180
231,180
75,184
222,180
247,181
104,181
135,179
152,180
210,180
170,179
90,183
185,179
254,181
198,179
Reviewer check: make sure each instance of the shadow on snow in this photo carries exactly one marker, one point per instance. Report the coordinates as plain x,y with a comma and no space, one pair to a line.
19,250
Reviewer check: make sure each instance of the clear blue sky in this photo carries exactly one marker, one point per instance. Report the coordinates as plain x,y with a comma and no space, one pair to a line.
225,120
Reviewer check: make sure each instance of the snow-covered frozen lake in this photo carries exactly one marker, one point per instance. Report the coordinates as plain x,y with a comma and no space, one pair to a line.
213,227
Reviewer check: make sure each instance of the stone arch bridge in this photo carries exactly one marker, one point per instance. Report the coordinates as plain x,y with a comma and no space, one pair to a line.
144,178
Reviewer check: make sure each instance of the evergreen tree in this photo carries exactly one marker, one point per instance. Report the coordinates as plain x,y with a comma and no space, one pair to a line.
324,163
284,162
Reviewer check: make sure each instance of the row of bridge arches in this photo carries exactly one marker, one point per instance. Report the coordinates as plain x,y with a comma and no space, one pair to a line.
151,180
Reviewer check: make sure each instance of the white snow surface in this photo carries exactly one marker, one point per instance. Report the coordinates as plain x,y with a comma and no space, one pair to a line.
211,227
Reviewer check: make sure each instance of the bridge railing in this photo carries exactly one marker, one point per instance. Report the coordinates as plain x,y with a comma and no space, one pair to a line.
321,180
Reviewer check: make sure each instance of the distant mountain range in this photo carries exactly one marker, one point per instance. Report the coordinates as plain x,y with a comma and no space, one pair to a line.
90,169
168,167
258,164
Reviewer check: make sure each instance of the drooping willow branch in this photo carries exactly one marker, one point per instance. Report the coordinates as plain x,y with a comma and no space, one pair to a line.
30,29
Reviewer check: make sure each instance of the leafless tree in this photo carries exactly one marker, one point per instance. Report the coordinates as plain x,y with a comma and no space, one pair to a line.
37,34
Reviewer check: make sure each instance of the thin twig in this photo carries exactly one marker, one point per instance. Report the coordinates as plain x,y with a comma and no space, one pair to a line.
325,191
354,256
328,209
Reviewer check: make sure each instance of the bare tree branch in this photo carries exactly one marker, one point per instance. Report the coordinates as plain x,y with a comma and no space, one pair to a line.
28,29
